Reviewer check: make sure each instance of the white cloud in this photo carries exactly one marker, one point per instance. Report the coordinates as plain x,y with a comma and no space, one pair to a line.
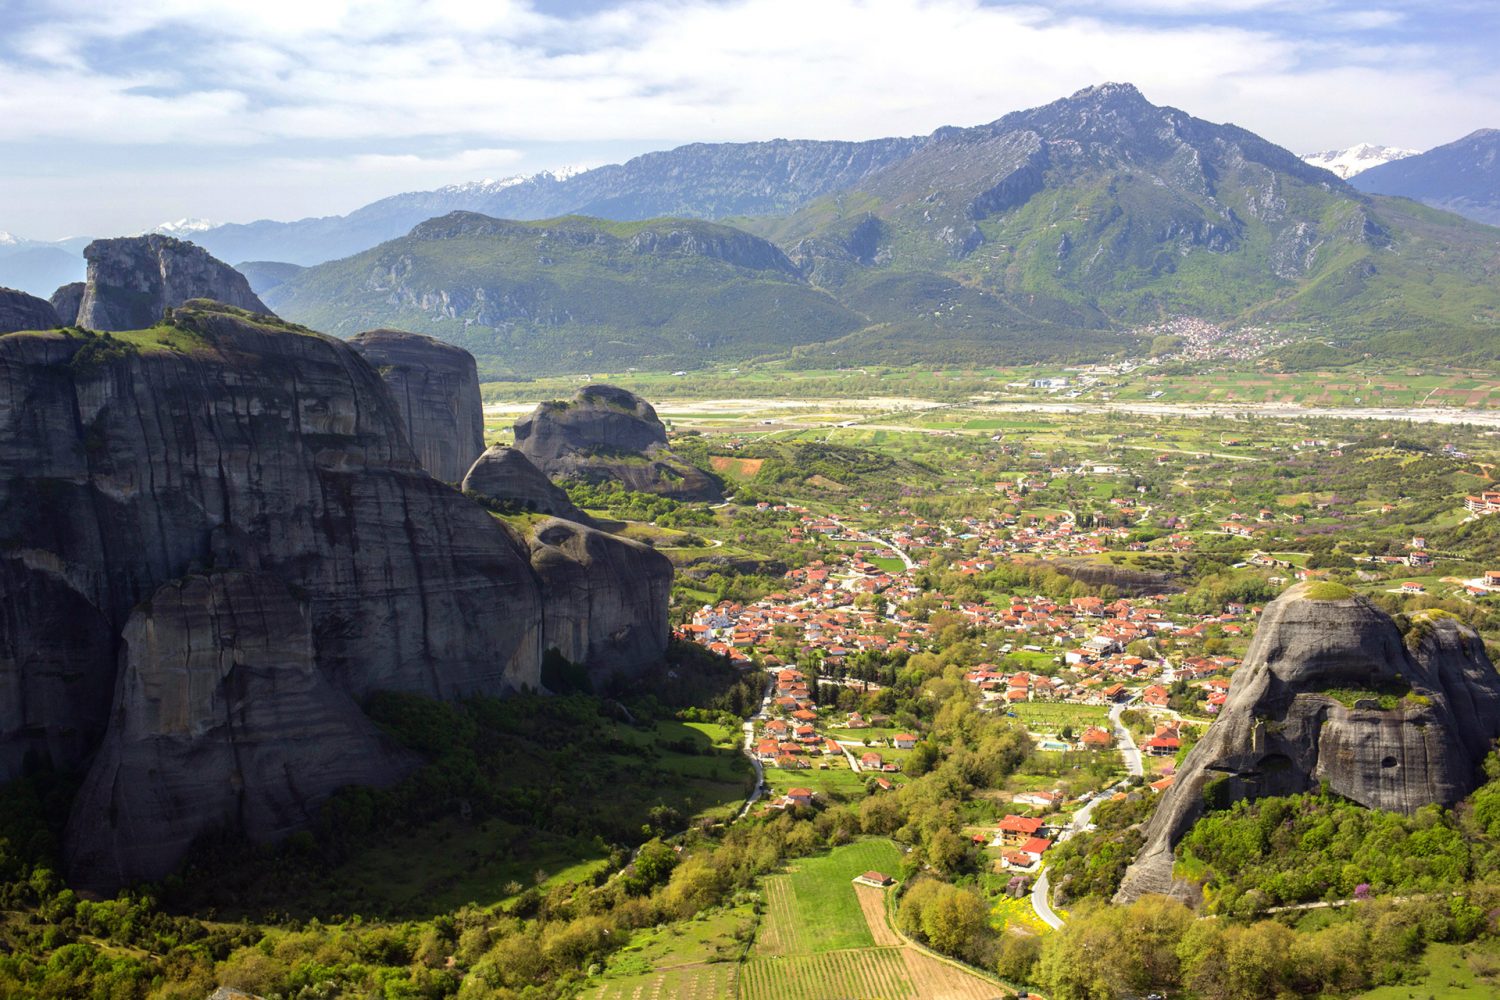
277,77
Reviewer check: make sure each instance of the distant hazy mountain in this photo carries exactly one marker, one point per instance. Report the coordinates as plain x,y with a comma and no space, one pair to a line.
1357,158
38,268
704,181
265,275
1461,177
1102,210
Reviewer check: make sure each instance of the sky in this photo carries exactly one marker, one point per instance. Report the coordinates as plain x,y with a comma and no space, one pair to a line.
119,116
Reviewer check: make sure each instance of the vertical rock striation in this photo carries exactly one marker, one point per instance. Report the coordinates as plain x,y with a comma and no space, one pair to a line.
134,279
606,598
224,723
1331,693
436,389
214,541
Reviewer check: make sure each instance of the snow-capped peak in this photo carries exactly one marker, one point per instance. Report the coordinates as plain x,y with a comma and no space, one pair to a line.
10,240
490,185
486,186
183,227
1357,158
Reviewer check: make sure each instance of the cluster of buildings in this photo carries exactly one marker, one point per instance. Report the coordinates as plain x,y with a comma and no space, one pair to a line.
1482,504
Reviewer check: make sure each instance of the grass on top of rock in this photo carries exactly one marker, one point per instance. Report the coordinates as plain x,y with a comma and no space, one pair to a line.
1327,590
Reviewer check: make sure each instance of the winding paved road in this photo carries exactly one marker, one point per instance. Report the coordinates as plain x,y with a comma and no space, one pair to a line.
1041,892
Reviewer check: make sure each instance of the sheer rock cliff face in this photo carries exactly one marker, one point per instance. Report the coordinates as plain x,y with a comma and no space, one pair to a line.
507,476
19,311
212,547
436,388
606,434
132,280
606,597
224,722
1283,731
248,446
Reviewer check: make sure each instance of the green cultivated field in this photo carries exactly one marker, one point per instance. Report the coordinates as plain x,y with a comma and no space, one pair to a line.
872,973
813,908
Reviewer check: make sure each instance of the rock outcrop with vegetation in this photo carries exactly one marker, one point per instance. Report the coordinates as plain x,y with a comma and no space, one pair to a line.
606,434
505,477
215,539
1331,694
436,389
133,280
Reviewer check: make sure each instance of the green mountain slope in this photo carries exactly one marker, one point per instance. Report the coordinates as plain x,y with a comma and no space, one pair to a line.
1103,210
573,294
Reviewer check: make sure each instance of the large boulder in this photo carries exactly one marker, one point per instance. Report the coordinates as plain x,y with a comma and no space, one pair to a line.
66,302
607,434
436,389
19,311
506,476
134,279
604,598
224,722
1331,693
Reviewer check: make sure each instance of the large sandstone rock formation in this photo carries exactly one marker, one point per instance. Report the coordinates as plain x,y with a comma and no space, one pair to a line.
19,311
436,388
507,476
66,301
134,279
226,723
607,434
1331,692
244,445
606,597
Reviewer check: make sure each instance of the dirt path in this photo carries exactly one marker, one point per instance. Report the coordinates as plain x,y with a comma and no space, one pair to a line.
932,978
872,902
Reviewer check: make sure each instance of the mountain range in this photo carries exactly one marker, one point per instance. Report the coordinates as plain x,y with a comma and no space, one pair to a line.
1049,233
